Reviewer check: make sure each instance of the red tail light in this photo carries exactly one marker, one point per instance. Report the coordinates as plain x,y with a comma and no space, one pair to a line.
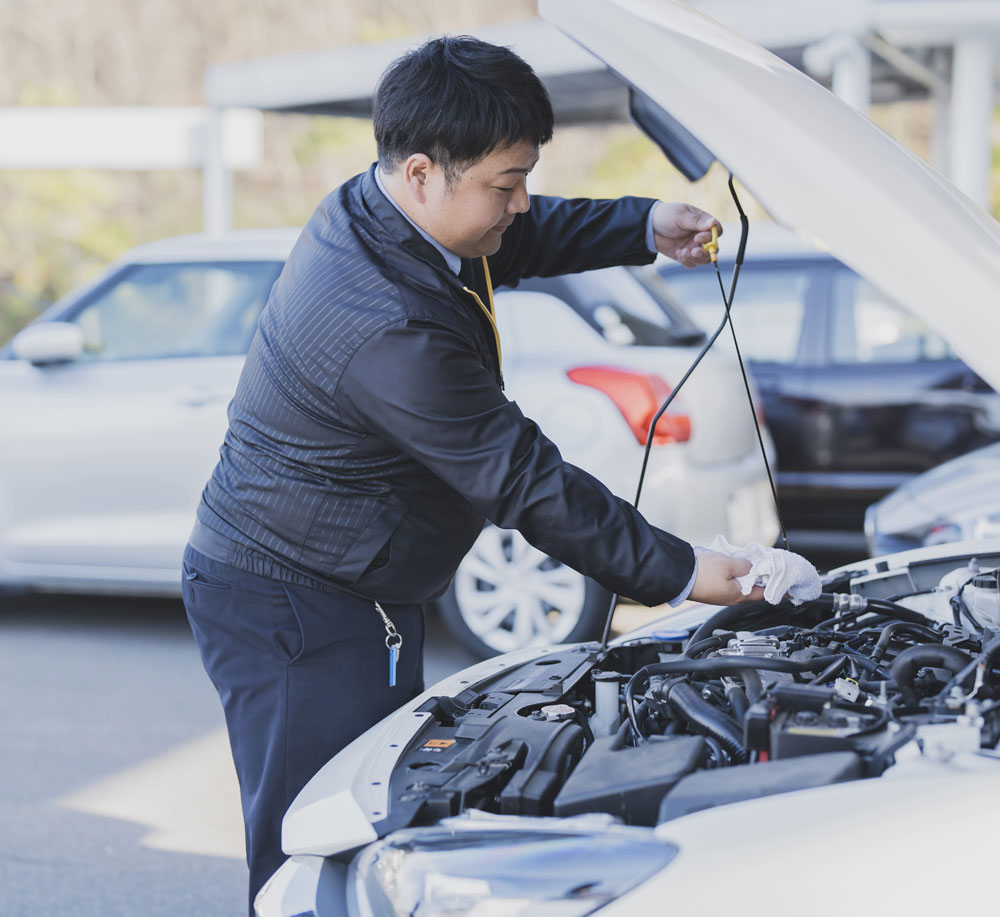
638,396
758,409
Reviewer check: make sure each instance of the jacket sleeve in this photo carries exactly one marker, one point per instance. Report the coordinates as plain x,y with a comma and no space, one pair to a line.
560,236
420,386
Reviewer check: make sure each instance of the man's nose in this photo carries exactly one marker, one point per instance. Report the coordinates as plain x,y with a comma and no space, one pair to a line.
519,201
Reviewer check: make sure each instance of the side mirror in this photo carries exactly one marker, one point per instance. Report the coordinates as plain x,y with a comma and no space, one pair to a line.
48,342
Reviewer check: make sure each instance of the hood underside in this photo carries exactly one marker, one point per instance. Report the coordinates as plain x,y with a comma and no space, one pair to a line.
817,165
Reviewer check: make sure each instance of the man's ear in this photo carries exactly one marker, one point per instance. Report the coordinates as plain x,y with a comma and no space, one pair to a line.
416,171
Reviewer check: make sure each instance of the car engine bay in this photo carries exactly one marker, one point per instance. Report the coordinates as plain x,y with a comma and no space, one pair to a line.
759,699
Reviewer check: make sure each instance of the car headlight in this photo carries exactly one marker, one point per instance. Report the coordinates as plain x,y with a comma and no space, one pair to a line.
986,526
942,533
981,527
460,867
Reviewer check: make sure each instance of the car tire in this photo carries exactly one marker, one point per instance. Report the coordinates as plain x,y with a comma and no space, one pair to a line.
507,594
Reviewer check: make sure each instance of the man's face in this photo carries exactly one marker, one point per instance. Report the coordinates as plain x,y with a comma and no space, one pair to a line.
469,214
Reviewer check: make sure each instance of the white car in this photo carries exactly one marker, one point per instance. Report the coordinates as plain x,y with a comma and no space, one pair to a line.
113,407
956,501
753,760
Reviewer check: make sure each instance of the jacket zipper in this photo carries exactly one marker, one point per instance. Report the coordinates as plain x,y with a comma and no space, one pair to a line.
490,314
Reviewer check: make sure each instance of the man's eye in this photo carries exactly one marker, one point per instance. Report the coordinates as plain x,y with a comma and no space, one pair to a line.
511,188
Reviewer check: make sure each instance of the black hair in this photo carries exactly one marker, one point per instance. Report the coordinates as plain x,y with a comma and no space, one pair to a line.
456,99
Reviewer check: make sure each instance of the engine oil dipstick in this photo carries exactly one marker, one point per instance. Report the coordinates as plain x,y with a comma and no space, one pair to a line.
713,247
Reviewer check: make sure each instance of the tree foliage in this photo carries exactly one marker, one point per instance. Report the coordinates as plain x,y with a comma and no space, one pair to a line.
58,228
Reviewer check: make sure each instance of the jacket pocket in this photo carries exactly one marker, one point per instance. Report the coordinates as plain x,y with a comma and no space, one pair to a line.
370,543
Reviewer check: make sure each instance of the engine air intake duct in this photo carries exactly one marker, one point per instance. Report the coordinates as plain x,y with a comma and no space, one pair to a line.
751,781
641,776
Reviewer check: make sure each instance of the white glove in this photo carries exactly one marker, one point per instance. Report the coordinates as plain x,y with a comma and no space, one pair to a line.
777,570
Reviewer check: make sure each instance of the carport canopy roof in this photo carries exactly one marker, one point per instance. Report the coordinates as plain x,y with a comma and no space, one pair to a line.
340,81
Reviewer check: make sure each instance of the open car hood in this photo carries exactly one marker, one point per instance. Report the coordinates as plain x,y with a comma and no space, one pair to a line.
817,165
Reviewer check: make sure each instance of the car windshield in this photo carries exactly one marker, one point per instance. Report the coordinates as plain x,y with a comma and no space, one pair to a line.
628,306
768,308
149,311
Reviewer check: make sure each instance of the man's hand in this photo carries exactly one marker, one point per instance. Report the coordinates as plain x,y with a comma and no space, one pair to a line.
716,581
680,230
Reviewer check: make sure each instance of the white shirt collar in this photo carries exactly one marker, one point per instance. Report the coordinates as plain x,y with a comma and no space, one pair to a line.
453,261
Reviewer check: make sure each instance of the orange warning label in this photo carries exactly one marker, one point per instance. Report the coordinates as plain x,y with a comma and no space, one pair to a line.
439,743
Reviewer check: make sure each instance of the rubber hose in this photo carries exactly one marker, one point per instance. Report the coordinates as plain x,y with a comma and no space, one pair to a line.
709,643
832,669
906,665
989,659
890,630
718,665
724,616
738,701
702,717
900,612
754,686
991,656
734,665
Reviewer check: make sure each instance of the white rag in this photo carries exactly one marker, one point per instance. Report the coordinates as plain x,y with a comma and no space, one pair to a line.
780,572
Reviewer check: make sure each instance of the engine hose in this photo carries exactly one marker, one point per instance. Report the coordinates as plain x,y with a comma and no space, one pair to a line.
863,662
892,610
716,665
702,717
875,687
900,612
730,614
632,721
733,665
738,701
990,660
987,659
709,643
717,752
890,630
906,665
832,669
754,686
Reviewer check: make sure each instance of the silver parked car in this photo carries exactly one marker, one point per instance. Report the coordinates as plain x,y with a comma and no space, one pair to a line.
113,407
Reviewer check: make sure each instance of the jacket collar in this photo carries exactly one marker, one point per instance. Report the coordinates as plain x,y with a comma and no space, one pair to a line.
453,261
412,254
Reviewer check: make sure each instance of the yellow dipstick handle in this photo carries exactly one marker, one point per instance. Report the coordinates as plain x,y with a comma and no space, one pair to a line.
713,247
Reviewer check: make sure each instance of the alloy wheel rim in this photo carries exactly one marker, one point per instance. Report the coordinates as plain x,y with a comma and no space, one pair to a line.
511,595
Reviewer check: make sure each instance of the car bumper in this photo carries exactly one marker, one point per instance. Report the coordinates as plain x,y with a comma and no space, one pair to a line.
305,886
732,499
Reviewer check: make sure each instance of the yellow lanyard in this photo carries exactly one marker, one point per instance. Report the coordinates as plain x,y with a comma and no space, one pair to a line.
490,312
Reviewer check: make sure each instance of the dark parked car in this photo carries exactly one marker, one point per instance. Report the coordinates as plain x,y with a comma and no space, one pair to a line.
859,394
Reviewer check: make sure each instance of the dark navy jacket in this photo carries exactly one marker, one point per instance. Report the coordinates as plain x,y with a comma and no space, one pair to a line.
369,436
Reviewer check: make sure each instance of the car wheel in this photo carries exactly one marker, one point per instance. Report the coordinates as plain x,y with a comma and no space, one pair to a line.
507,594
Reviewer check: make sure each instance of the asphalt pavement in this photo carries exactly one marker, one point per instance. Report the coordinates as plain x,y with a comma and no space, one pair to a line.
118,796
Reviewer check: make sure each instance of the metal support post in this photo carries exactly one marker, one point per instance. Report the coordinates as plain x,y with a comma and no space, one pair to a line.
972,94
217,177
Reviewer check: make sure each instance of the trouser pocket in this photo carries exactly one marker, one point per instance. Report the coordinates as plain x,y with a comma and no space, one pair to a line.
193,574
288,635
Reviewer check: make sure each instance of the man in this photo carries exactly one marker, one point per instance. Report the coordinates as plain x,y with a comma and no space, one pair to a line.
369,435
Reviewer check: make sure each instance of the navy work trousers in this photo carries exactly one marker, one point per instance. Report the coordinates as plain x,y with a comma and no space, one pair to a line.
301,672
